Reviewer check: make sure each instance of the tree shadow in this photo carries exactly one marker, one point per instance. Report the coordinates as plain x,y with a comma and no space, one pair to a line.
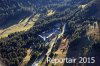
13,19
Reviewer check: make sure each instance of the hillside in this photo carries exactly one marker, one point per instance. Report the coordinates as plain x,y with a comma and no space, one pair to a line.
12,12
23,25
97,2
54,28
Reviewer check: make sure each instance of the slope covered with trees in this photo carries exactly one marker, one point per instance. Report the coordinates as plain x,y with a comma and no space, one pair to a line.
13,48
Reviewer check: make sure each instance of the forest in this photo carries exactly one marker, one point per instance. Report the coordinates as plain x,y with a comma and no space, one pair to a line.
13,48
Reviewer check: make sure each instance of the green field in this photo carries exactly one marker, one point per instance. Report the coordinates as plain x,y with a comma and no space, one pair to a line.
23,25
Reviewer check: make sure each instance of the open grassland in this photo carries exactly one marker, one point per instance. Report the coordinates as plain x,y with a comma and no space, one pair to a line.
50,12
23,25
59,53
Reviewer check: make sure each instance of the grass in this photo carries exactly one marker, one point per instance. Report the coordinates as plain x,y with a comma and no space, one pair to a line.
59,53
24,21
23,25
27,58
83,6
94,32
50,12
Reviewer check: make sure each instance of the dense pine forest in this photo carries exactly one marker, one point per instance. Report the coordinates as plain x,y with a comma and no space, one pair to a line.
13,49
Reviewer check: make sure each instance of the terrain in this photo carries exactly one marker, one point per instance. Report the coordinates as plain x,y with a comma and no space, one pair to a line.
33,30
